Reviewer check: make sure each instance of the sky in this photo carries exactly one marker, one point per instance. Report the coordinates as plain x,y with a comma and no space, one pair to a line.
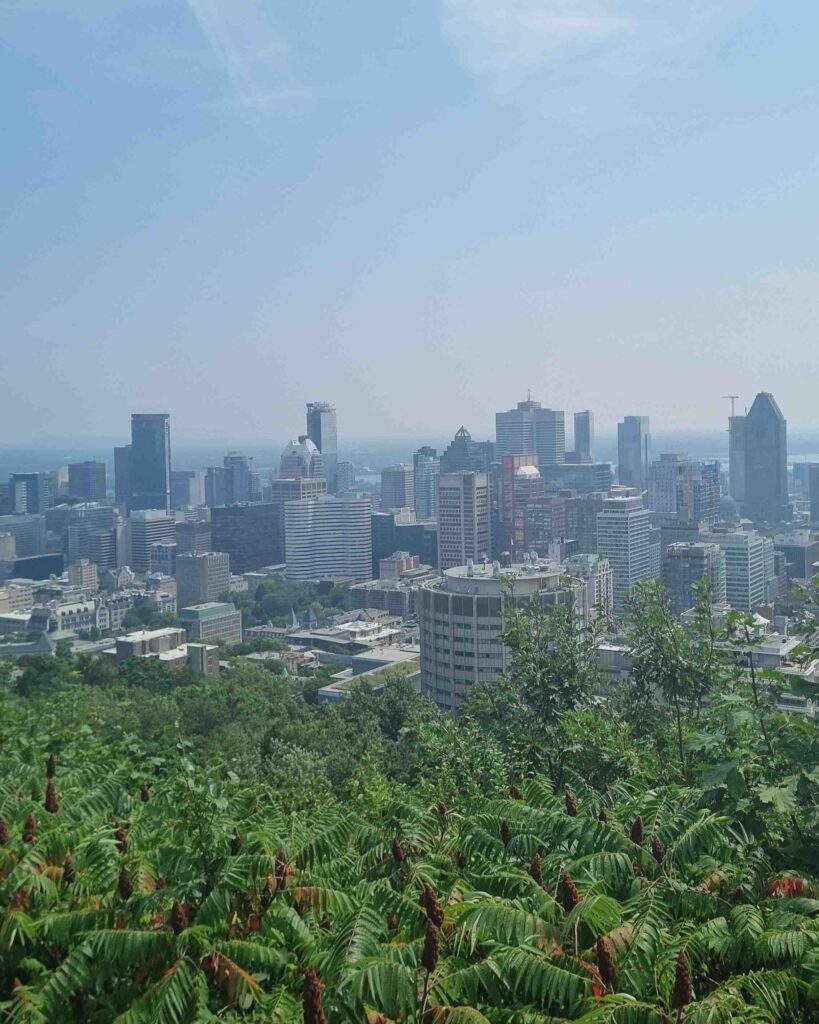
223,209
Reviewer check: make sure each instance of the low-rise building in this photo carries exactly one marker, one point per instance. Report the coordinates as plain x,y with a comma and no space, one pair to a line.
213,621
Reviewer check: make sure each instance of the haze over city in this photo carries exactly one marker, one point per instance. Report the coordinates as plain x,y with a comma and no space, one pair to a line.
222,210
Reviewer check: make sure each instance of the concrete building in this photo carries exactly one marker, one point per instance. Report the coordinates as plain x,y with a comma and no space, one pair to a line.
746,573
328,536
623,530
463,519
426,467
461,619
595,573
230,483
212,622
397,564
150,461
685,487
633,449
290,489
764,450
84,575
29,533
202,578
736,458
163,557
122,477
86,481
395,596
464,454
530,429
193,537
521,486
345,477
322,430
146,527
684,565
32,493
583,435
246,533
186,489
801,551
397,487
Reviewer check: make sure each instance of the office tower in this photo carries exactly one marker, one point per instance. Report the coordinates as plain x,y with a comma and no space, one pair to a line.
246,533
531,430
290,489
397,487
75,525
684,565
598,579
461,620
425,467
150,463
328,536
766,462
463,518
146,527
322,431
32,493
29,533
583,477
229,483
85,575
302,459
86,481
623,529
746,574
813,493
101,546
462,453
345,477
213,621
193,538
186,489
200,578
633,446
583,435
581,511
736,458
521,485
122,476
684,487
800,549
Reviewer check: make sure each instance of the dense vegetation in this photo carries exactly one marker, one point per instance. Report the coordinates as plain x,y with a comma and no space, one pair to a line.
276,601
177,849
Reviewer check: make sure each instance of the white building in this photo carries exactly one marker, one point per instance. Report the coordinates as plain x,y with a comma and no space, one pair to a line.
463,518
746,553
328,536
598,578
623,537
147,527
84,574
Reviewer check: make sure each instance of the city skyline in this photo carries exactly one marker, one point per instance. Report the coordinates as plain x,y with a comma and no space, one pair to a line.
203,199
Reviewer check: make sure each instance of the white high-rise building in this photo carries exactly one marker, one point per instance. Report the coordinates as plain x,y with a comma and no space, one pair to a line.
397,487
146,527
748,565
531,430
623,537
328,536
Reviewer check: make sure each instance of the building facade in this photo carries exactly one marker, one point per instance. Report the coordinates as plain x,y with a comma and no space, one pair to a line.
426,467
463,518
686,564
766,462
213,622
328,536
150,461
531,429
584,435
246,533
633,449
290,489
623,537
462,453
146,527
685,487
202,578
397,487
86,480
322,430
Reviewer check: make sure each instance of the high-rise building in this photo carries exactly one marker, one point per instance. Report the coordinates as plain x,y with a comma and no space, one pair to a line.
766,461
101,546
345,477
736,458
425,466
201,578
581,519
598,579
286,489
531,430
813,493
463,518
147,526
583,435
684,487
749,565
800,549
86,480
122,477
323,432
150,468
328,536
186,489
77,523
520,486
461,621
583,477
32,493
193,538
246,533
623,530
397,487
462,453
633,448
302,459
229,483
684,565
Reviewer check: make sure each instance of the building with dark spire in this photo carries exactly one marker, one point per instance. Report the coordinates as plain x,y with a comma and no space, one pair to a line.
765,459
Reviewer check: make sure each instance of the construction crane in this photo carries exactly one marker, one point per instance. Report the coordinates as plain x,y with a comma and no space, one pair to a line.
733,399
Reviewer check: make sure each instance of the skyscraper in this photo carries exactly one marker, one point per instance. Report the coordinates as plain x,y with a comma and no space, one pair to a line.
86,480
623,530
531,429
290,489
426,466
684,487
150,467
301,458
247,533
397,487
201,577
520,485
463,518
230,482
813,492
462,453
584,435
684,565
766,461
633,446
186,488
328,536
122,476
147,526
736,458
322,431
32,493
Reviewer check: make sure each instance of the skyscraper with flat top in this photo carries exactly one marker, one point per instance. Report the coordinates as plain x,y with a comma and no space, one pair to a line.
623,538
463,518
766,461
322,431
633,447
583,435
531,430
397,487
425,467
86,480
150,461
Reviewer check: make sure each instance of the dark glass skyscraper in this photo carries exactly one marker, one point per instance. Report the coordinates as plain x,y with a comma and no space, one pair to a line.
150,461
122,477
633,448
323,432
766,461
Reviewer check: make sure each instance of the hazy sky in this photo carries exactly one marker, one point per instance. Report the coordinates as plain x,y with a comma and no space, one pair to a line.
225,208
